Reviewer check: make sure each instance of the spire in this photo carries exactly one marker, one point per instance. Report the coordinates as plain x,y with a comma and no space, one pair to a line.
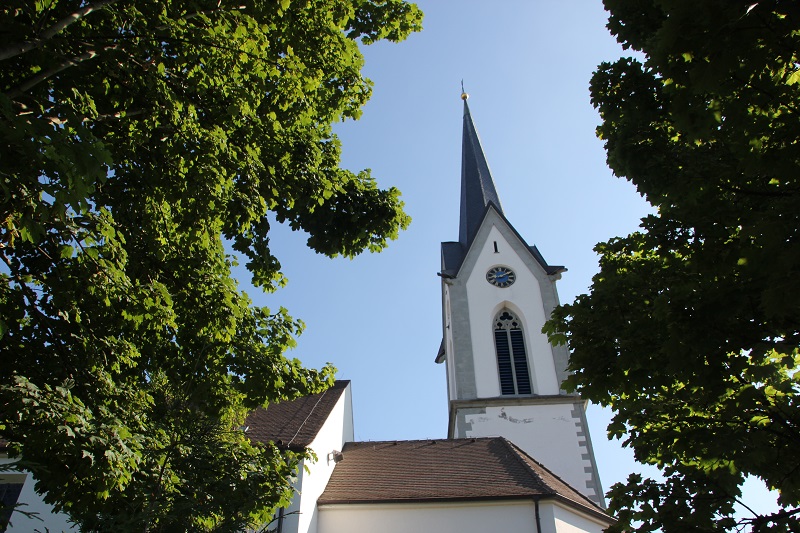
477,186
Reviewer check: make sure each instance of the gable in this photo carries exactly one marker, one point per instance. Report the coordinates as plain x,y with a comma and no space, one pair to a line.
294,424
455,254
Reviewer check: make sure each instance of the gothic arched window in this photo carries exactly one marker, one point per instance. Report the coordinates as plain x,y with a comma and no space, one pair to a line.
512,361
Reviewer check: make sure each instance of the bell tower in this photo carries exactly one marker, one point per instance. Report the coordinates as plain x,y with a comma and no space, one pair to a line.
503,376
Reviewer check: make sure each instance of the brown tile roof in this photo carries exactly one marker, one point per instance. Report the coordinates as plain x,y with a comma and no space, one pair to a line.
294,424
452,469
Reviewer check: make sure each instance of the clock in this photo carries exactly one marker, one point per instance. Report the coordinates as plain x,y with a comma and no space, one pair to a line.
501,276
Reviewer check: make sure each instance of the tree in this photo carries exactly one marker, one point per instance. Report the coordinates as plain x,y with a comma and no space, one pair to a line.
691,329
140,140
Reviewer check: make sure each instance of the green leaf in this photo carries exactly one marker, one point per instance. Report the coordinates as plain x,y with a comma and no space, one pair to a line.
130,354
688,326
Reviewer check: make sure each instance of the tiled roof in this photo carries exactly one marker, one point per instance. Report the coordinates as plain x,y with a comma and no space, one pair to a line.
294,424
441,470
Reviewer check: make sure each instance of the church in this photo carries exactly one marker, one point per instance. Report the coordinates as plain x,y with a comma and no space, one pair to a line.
517,457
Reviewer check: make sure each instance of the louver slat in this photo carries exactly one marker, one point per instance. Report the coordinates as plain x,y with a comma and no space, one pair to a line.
520,362
504,362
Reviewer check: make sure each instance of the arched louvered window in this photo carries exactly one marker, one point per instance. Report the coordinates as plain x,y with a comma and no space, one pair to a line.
512,361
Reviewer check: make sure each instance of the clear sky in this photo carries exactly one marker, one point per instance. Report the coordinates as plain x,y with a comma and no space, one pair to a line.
526,65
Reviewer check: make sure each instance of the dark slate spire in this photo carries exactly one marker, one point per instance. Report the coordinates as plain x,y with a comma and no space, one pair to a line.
477,186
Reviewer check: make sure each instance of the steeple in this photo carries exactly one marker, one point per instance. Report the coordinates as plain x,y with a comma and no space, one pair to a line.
503,375
477,185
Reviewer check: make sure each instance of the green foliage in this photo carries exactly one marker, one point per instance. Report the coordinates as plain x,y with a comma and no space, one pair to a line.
691,331
138,137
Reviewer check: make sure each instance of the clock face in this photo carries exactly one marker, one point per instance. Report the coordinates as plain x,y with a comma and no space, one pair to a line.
501,276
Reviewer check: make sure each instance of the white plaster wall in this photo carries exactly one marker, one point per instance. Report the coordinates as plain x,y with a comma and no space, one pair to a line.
473,517
336,430
51,521
525,299
557,518
546,432
291,515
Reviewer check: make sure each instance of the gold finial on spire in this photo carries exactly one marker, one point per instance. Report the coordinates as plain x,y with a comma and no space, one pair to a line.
464,94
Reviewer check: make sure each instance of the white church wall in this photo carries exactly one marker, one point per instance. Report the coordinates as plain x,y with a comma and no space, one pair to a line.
290,523
301,516
471,517
547,433
557,518
485,300
45,519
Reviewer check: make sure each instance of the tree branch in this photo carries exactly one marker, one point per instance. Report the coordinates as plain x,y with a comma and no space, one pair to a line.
779,516
49,33
42,76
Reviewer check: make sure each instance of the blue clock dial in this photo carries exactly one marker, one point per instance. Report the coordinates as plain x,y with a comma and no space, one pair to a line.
501,276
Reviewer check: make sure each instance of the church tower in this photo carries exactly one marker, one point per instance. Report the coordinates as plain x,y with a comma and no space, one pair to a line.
503,376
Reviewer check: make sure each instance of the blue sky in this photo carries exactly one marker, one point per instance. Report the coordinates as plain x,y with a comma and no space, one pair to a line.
526,65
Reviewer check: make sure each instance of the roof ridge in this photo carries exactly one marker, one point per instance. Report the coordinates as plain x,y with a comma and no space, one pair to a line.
443,439
520,453
295,423
516,451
